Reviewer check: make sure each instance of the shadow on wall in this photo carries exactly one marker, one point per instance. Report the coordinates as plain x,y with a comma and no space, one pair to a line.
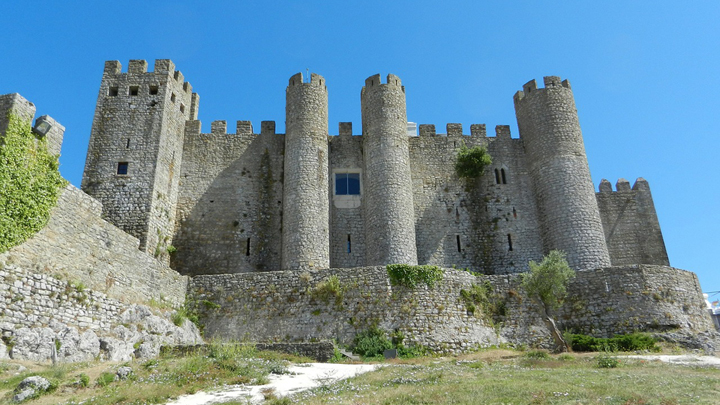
229,217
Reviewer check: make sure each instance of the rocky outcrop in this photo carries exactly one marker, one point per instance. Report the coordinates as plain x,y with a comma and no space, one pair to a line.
31,387
139,334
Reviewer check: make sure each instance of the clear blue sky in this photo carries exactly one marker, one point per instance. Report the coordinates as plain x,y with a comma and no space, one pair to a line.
645,75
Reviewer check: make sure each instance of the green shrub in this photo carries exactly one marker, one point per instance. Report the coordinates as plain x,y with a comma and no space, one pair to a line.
626,343
410,276
84,380
471,162
605,360
329,289
30,183
371,342
537,355
105,379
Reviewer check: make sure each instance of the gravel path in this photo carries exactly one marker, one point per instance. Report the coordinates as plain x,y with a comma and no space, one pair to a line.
300,378
686,359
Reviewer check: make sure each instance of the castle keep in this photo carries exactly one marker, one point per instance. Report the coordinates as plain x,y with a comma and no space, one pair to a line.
311,199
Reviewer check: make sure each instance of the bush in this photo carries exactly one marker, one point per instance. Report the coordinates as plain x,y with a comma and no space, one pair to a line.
537,355
105,379
471,162
626,343
84,380
329,289
29,183
371,342
604,360
410,276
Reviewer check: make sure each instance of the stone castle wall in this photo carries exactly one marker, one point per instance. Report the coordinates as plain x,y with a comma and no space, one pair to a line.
487,225
78,246
632,230
229,217
285,306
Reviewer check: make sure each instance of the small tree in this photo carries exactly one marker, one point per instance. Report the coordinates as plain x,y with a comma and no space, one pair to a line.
471,162
546,284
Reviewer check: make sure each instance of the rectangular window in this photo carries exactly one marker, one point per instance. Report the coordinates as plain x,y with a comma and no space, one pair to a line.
347,183
133,90
113,91
122,168
153,89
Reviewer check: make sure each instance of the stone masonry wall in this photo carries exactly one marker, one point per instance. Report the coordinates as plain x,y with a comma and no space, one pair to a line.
139,122
229,210
285,306
487,225
567,208
632,230
77,245
347,224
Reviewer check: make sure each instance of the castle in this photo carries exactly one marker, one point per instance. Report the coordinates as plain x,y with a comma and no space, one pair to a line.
246,230
246,202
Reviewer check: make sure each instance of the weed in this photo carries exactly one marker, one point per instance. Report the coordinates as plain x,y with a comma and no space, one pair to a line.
605,360
410,276
105,379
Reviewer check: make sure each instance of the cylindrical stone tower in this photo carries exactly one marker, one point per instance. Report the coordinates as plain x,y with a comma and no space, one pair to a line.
306,231
388,200
569,216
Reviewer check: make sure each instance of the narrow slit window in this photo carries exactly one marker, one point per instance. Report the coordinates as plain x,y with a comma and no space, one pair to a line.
502,173
182,108
133,90
153,90
497,176
510,247
122,168
247,248
459,246
113,91
349,244
127,144
172,97
514,213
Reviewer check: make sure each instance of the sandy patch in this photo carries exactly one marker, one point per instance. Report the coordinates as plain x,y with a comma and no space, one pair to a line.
301,377
685,359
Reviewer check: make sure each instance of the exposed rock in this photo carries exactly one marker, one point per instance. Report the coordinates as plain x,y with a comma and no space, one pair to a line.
3,351
29,387
112,349
35,344
75,347
123,373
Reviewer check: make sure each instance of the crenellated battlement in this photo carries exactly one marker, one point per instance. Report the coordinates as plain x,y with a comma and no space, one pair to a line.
456,130
220,127
315,80
391,80
551,82
139,67
623,186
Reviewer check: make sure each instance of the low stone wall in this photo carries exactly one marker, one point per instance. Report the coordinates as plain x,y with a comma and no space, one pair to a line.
285,306
42,317
79,246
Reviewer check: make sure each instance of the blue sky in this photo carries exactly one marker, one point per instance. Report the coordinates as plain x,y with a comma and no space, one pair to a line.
645,75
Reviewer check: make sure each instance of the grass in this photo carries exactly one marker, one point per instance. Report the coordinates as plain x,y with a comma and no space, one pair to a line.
496,377
152,381
488,376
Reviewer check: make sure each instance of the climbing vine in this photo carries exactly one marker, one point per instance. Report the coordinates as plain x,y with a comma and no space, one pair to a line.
30,183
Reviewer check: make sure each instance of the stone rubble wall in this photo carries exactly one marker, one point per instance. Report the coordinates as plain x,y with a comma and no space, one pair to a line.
631,225
43,317
78,246
281,306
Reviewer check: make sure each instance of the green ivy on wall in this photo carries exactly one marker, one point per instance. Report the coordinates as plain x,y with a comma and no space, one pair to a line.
30,183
